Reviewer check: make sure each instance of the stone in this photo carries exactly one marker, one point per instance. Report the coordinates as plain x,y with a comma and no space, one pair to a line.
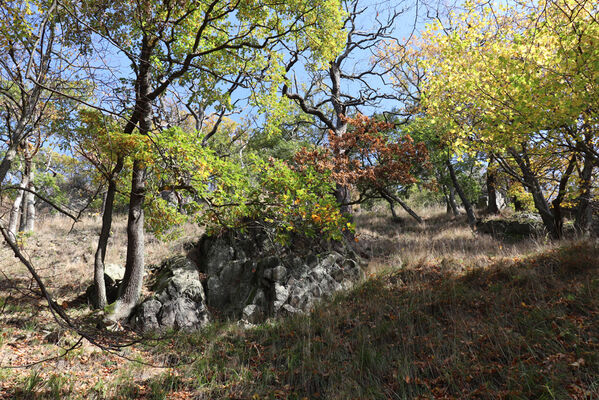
253,314
115,271
318,273
250,277
279,273
178,301
281,296
146,317
287,310
217,297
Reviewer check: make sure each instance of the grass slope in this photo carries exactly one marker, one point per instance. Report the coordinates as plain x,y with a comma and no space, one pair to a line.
466,316
524,329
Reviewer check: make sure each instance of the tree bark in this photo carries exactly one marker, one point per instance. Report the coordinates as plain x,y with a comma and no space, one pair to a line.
15,212
391,198
30,201
393,213
584,212
451,204
465,201
561,193
491,187
99,300
532,183
130,288
7,161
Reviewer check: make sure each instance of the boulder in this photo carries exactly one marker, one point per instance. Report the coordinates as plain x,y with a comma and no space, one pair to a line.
178,301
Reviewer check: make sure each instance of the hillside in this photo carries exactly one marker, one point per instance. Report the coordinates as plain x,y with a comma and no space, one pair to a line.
443,314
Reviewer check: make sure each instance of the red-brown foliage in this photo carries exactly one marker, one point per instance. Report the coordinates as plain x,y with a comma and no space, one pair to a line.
365,155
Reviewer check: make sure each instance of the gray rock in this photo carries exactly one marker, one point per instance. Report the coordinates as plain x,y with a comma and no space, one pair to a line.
249,277
281,296
279,273
146,317
253,314
115,271
178,301
287,310
260,299
217,296
318,273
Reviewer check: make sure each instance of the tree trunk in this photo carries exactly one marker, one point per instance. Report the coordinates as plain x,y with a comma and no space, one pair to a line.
30,201
343,198
451,204
391,197
99,300
130,288
584,212
465,201
393,213
7,161
558,218
534,187
15,212
491,187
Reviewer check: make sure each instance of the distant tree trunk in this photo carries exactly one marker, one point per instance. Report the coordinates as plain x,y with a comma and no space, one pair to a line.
28,197
99,300
465,201
491,187
534,187
584,213
452,207
30,201
561,193
393,213
390,197
15,212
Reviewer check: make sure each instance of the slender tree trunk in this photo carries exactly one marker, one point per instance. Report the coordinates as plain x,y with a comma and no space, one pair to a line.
561,193
15,212
30,201
130,288
584,213
451,204
99,300
393,213
491,187
534,187
391,197
465,201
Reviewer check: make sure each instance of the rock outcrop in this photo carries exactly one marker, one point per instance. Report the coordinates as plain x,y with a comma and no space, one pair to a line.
251,278
242,276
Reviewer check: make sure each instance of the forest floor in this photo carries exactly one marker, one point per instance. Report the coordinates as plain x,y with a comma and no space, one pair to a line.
444,313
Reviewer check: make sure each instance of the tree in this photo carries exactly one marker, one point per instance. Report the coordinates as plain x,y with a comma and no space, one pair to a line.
27,43
366,156
170,43
491,84
346,87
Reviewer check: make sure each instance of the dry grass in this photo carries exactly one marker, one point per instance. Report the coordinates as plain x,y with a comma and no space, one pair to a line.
441,239
63,255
